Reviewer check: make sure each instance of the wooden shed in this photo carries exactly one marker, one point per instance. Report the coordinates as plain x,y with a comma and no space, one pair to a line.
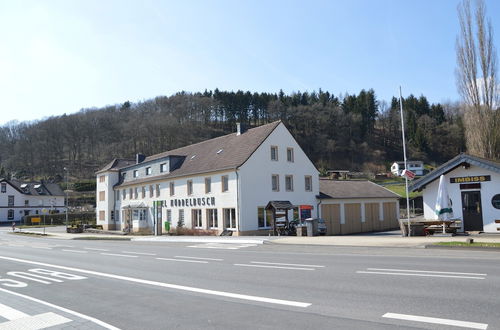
350,207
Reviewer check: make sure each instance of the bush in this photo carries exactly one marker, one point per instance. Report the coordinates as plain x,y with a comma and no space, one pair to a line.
88,218
193,232
89,185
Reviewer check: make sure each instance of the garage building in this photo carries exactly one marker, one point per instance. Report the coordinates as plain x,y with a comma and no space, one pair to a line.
350,207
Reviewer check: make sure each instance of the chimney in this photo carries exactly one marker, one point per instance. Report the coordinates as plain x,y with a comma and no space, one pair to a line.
240,128
139,158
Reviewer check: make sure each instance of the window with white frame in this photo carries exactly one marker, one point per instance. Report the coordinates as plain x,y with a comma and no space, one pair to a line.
163,167
225,183
289,155
180,222
275,182
308,183
150,191
189,187
148,170
169,216
229,218
136,173
265,217
172,188
196,218
139,214
157,190
274,153
10,214
213,222
289,182
208,185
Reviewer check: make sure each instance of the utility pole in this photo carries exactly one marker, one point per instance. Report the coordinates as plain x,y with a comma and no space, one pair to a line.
405,160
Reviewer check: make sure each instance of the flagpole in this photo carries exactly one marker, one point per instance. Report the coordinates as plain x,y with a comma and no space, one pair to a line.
405,160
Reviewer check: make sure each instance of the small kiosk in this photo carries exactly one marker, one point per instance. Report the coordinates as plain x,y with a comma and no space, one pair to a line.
280,215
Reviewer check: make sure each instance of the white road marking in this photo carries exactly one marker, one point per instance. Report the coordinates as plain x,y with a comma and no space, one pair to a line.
42,247
193,261
140,253
94,249
74,251
276,267
422,275
425,271
40,321
65,310
435,320
118,255
168,285
186,257
10,313
225,246
282,264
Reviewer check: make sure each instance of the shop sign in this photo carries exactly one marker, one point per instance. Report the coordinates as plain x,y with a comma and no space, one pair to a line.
467,179
186,202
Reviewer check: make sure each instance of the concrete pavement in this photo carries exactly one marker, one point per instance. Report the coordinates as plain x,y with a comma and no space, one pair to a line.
380,239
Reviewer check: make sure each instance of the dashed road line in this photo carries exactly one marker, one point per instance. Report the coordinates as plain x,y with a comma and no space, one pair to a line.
435,320
200,258
118,255
192,261
276,267
95,249
421,275
424,271
140,253
74,251
283,264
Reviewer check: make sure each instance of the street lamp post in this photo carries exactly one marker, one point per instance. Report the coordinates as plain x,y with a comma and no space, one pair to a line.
66,195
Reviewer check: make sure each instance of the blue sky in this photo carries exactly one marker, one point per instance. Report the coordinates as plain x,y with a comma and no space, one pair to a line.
61,56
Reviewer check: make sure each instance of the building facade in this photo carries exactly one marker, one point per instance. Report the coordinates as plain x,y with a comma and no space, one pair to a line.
474,188
416,166
19,199
219,184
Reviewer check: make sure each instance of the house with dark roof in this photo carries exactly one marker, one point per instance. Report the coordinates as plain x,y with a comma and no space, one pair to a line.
474,189
220,184
357,206
20,198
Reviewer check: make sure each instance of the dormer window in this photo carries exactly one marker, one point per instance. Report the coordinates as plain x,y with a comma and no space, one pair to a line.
163,167
148,170
136,173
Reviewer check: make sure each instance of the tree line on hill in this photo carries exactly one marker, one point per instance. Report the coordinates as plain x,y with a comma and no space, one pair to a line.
351,131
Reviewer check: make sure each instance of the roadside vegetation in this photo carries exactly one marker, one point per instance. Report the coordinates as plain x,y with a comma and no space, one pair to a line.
474,244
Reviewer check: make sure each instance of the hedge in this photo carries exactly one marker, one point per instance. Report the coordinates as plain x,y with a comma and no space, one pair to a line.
60,218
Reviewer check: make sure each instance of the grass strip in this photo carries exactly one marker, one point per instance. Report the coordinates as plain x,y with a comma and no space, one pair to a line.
475,244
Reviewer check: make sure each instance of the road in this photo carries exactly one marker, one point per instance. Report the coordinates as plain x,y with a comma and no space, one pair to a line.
46,282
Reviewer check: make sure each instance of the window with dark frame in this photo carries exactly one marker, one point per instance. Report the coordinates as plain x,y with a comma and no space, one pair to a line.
148,170
275,182
196,218
10,214
172,188
4,187
163,167
208,185
289,182
225,183
308,183
10,200
189,187
212,220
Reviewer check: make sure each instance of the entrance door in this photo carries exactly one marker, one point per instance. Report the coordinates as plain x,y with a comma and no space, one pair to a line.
471,211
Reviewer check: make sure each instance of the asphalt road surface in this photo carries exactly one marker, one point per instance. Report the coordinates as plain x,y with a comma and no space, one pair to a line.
63,284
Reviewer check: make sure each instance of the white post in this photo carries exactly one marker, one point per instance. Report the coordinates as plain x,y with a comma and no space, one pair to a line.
405,160
66,195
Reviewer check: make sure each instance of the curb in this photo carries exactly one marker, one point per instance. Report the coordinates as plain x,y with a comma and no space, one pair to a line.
462,247
198,240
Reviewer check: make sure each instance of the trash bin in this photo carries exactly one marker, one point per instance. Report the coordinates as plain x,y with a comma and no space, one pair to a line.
312,226
167,226
301,230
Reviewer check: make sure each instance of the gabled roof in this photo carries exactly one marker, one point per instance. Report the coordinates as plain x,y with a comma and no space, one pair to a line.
28,188
115,165
222,153
451,165
345,189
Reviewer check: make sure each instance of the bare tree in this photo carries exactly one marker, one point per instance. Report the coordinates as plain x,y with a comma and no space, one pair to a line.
477,82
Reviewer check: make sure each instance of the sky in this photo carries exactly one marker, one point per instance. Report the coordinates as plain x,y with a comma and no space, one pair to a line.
59,57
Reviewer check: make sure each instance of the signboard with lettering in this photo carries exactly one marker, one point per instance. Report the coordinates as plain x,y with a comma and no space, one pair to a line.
200,201
467,179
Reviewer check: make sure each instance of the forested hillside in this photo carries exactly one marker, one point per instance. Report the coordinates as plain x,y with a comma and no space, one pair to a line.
355,132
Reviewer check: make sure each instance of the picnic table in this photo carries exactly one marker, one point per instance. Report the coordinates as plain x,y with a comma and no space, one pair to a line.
429,227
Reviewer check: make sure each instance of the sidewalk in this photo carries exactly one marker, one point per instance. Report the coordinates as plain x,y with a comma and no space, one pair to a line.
380,239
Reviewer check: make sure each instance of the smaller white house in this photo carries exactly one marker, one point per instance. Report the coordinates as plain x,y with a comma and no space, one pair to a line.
19,199
474,189
416,166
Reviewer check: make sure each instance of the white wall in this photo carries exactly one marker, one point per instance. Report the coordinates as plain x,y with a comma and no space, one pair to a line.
110,179
488,190
255,178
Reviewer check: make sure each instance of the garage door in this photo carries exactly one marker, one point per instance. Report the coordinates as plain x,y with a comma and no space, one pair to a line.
352,218
372,219
331,215
390,216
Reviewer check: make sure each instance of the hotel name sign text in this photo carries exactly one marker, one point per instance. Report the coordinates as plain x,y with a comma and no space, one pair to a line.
183,202
467,179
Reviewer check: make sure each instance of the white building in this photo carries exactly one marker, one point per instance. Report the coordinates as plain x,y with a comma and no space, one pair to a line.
474,188
219,184
18,199
416,166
